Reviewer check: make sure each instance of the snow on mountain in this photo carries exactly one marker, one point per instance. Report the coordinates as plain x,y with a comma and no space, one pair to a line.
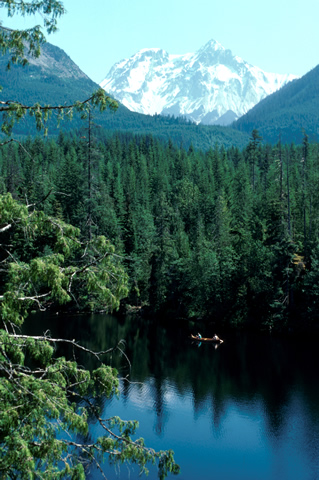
211,86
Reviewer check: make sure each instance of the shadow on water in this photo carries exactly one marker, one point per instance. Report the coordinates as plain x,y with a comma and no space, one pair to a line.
270,383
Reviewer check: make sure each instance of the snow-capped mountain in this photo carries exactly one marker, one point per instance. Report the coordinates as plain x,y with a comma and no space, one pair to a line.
211,86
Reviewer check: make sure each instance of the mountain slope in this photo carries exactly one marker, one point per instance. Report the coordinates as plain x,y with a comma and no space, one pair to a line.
52,79
288,112
55,79
52,76
211,86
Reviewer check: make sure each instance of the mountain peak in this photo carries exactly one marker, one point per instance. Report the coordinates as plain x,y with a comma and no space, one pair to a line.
213,45
201,86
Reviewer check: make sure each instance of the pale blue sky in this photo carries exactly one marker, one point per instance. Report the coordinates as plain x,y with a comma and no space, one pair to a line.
276,35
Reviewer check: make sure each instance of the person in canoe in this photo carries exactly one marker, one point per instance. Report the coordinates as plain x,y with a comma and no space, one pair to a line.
214,339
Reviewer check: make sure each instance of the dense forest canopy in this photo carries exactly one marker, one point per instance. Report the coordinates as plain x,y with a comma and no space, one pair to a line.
223,234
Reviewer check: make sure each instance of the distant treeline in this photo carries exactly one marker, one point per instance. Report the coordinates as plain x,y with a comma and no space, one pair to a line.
226,234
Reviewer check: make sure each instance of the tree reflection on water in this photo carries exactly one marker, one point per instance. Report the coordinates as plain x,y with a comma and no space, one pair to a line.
252,380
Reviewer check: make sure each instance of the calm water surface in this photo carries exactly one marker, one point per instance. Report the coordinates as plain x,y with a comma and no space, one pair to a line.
248,409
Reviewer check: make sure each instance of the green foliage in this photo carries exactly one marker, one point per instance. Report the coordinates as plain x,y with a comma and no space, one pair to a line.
42,395
16,41
62,272
202,235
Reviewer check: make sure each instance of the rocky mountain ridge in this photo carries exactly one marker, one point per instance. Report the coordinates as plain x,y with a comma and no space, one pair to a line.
210,86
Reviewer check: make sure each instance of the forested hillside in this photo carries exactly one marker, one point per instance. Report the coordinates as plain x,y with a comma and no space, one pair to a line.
287,113
227,234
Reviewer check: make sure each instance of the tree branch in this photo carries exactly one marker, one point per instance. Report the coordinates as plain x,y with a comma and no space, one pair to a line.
3,229
35,298
71,342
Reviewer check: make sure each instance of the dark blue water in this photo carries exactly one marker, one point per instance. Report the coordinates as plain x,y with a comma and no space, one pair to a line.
248,409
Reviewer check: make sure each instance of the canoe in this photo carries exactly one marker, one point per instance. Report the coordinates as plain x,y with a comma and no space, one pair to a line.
204,339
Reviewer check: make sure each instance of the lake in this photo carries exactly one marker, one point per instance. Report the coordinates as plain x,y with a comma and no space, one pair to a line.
248,409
